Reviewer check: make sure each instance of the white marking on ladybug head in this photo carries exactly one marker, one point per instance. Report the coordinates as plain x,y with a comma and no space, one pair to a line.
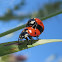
26,35
22,36
32,22
19,36
26,30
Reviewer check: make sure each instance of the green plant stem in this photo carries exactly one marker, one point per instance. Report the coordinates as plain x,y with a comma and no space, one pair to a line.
12,30
4,50
20,27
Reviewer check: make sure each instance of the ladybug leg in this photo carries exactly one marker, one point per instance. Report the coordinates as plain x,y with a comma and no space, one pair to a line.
30,37
27,42
35,26
18,41
37,37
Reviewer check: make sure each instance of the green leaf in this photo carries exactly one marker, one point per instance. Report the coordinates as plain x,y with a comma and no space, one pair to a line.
11,47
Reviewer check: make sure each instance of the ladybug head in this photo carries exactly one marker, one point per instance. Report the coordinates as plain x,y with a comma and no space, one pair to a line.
30,23
23,35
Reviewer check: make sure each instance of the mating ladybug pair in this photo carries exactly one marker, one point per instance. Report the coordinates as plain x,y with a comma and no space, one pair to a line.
34,28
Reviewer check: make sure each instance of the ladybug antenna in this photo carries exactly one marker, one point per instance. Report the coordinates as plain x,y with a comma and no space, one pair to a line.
18,40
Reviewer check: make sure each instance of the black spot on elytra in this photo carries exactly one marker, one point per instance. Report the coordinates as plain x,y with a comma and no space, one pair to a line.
41,22
35,32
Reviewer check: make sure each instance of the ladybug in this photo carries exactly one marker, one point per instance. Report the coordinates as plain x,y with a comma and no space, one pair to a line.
36,24
29,32
32,31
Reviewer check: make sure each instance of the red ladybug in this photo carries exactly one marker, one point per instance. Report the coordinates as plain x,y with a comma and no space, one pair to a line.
39,22
29,32
32,32
36,23
34,28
